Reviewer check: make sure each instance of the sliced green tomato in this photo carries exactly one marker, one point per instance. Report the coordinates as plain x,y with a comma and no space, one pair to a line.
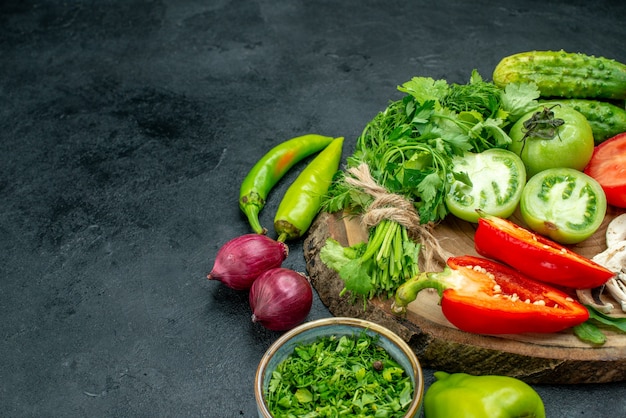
563,204
492,181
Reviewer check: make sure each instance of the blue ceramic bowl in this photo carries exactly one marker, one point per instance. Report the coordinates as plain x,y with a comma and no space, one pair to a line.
338,326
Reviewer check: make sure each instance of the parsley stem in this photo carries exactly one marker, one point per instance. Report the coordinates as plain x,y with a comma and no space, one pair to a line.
377,235
389,230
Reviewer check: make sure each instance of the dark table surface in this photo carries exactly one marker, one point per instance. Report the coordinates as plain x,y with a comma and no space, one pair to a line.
126,128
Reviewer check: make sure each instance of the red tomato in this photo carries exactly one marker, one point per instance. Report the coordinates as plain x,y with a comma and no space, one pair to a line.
608,167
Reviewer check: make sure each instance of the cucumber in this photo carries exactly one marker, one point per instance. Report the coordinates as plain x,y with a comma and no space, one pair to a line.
564,74
606,119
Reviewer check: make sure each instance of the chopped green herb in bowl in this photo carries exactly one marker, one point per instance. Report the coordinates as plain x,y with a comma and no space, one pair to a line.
339,367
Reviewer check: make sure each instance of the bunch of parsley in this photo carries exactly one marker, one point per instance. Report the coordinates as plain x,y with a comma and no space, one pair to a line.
408,148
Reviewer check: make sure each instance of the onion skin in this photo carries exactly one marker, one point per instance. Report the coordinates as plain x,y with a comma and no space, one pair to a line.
280,299
241,260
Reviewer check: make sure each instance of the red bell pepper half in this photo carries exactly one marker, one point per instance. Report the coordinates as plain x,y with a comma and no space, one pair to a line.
483,296
536,256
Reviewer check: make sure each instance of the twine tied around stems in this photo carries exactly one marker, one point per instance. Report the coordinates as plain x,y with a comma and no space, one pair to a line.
396,208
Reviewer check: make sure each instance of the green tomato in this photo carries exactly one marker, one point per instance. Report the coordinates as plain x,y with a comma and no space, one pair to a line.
491,180
563,204
552,137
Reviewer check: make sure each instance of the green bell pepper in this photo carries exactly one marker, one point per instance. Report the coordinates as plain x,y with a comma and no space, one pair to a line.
461,395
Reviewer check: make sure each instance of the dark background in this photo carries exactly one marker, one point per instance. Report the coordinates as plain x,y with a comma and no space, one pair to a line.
126,128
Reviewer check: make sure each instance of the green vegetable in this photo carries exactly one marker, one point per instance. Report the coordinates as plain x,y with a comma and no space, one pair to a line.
563,204
606,119
303,199
494,183
556,136
564,74
615,323
270,169
590,331
345,376
407,151
461,395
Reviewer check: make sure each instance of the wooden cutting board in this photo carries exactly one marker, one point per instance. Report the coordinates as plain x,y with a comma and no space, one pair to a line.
559,358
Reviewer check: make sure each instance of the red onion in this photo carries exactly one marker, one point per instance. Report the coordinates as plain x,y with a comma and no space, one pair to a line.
241,260
280,299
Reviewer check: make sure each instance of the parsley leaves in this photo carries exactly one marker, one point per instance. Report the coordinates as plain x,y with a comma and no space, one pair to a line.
339,376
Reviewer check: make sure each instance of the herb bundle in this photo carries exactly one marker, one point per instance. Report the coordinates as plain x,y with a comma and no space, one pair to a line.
408,149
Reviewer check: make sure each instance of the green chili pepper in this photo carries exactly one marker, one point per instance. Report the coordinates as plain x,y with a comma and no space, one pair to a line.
303,198
461,395
272,167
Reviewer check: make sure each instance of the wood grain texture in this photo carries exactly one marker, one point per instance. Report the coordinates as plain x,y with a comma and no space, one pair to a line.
559,358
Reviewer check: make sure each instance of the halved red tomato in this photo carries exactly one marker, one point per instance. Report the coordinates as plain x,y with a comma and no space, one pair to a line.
608,167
